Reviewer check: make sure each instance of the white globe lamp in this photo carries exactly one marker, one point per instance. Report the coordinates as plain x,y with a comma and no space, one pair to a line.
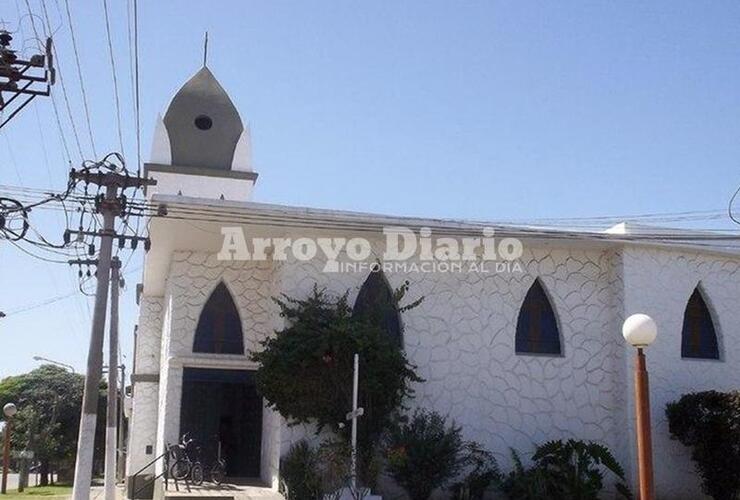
10,410
639,330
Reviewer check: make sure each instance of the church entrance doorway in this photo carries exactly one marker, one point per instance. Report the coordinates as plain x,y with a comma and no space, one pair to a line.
222,406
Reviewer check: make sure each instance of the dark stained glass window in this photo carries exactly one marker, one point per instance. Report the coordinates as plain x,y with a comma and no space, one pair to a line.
536,328
698,338
377,305
219,327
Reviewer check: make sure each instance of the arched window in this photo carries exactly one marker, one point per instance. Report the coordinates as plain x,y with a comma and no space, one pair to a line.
698,338
536,329
219,327
377,305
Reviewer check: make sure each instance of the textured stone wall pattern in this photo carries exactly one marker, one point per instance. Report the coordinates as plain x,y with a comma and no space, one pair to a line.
659,283
462,340
146,394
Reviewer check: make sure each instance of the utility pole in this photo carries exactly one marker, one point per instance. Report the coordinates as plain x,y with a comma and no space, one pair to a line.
110,207
112,409
16,78
121,472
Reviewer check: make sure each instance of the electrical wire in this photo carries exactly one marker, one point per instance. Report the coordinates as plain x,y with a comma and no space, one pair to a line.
63,139
80,77
61,82
113,70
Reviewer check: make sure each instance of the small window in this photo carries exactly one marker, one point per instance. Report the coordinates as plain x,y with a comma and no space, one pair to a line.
377,305
219,327
698,337
203,122
536,329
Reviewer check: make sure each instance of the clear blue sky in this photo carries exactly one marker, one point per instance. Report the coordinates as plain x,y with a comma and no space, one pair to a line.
472,109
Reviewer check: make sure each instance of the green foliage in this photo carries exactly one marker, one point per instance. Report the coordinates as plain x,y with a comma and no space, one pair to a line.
482,472
299,468
571,470
709,422
306,369
49,400
424,453
526,484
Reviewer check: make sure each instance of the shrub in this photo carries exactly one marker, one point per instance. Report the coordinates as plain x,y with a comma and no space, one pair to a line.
306,369
526,484
299,469
482,472
709,422
571,469
424,453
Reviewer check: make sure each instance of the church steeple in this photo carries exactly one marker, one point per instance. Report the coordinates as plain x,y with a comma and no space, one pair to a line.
202,134
203,124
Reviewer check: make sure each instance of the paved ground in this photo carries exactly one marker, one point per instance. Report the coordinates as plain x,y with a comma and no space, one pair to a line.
237,492
243,491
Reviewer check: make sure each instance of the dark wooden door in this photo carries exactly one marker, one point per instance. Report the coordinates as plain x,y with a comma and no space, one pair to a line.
223,406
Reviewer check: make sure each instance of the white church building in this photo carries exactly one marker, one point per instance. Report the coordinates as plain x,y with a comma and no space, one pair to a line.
522,351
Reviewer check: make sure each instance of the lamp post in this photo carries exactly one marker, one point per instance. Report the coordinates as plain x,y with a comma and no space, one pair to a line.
58,363
9,410
639,330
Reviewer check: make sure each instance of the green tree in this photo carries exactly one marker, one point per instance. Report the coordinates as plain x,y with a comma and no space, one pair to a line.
306,369
49,400
709,423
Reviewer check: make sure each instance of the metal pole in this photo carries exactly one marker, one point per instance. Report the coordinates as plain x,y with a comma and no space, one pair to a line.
6,454
112,407
355,390
644,438
86,439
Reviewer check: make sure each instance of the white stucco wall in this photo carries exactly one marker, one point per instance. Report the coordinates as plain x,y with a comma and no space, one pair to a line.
145,410
462,340
659,283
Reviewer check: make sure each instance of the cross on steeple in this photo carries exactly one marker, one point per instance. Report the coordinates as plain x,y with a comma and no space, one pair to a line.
205,49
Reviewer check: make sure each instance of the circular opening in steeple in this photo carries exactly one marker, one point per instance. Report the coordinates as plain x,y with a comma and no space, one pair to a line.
203,122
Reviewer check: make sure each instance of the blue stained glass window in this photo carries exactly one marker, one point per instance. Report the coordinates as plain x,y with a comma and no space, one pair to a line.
537,329
698,337
219,326
376,304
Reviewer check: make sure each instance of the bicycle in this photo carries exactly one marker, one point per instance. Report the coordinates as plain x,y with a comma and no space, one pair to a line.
218,471
186,465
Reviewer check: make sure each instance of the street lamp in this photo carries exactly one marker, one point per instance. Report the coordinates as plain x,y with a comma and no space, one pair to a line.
9,410
58,363
639,330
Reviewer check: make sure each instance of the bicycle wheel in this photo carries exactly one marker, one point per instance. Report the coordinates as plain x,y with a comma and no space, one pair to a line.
180,470
196,474
218,474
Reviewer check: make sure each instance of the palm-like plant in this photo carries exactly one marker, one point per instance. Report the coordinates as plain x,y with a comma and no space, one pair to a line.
579,467
571,470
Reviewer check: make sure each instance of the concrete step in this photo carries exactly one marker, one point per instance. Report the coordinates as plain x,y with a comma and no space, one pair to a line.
223,492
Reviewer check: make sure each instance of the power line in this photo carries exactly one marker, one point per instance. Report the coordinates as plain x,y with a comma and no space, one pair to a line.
80,78
61,82
68,157
137,101
113,70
